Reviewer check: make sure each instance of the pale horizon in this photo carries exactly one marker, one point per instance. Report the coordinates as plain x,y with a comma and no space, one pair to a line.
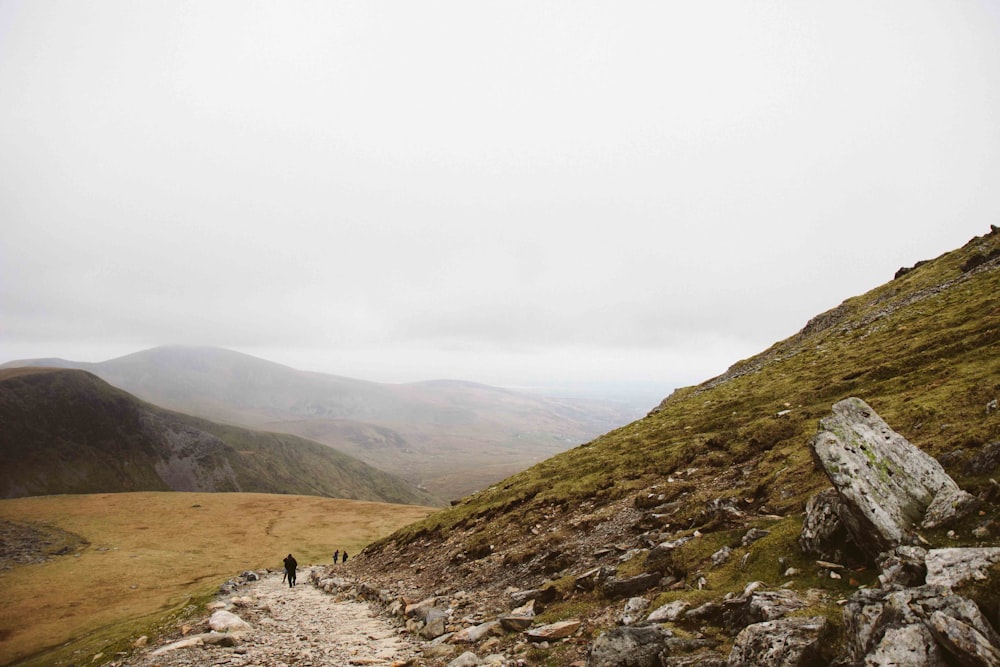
517,194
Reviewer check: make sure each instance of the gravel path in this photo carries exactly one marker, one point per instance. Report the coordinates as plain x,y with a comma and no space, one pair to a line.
301,626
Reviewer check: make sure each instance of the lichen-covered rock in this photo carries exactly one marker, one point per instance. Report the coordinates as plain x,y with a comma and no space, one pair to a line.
965,642
553,631
668,612
908,627
953,567
909,645
634,610
760,606
903,566
789,642
886,483
644,646
823,533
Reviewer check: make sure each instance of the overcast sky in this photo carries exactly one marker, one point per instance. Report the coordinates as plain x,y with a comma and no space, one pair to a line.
516,193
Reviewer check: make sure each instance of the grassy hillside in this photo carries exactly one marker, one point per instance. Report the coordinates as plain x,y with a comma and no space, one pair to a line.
733,452
922,350
66,431
129,559
450,437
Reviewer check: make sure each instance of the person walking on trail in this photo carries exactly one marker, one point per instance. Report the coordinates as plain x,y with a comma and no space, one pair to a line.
290,565
336,556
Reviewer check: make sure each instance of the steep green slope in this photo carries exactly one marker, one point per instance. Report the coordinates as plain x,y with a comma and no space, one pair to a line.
731,455
67,431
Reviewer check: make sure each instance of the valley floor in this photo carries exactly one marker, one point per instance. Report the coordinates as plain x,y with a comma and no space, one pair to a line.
293,626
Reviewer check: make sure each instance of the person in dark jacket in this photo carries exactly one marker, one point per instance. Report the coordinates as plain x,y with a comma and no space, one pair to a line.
290,565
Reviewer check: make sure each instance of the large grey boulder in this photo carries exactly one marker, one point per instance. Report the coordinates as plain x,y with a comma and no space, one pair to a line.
965,642
954,567
886,483
919,626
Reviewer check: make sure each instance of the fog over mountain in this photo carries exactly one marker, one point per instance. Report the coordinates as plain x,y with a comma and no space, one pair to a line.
449,437
507,193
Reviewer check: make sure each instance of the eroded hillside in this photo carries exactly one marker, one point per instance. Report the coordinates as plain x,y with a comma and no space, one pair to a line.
713,462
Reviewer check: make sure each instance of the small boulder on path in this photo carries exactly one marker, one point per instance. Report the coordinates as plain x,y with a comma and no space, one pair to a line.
226,621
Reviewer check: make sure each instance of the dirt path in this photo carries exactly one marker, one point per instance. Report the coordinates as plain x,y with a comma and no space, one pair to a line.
301,626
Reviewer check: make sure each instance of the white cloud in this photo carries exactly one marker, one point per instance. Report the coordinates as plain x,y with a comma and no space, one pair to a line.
480,190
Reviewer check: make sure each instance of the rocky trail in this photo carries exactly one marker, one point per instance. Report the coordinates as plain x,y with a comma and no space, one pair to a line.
285,626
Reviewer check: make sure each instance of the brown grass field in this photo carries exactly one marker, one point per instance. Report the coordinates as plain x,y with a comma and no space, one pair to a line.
145,556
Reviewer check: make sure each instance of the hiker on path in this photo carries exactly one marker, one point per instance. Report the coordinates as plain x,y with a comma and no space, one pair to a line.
345,557
290,565
336,556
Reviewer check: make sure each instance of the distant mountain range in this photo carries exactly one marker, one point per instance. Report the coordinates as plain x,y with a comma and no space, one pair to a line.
448,437
68,431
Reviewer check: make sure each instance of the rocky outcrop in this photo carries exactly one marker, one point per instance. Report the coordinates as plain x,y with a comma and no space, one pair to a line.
887,486
789,642
925,625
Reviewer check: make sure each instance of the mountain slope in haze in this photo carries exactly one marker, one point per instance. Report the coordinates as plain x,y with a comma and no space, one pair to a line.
67,431
715,460
447,436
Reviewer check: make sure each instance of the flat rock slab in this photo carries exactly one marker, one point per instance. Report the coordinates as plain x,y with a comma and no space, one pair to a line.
553,631
953,567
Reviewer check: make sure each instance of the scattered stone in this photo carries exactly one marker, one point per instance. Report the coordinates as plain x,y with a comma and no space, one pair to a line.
953,567
541,595
634,610
760,606
553,631
669,612
515,623
226,621
909,627
434,623
721,557
467,659
620,588
706,612
629,647
475,633
590,579
753,535
823,533
187,642
903,566
963,641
